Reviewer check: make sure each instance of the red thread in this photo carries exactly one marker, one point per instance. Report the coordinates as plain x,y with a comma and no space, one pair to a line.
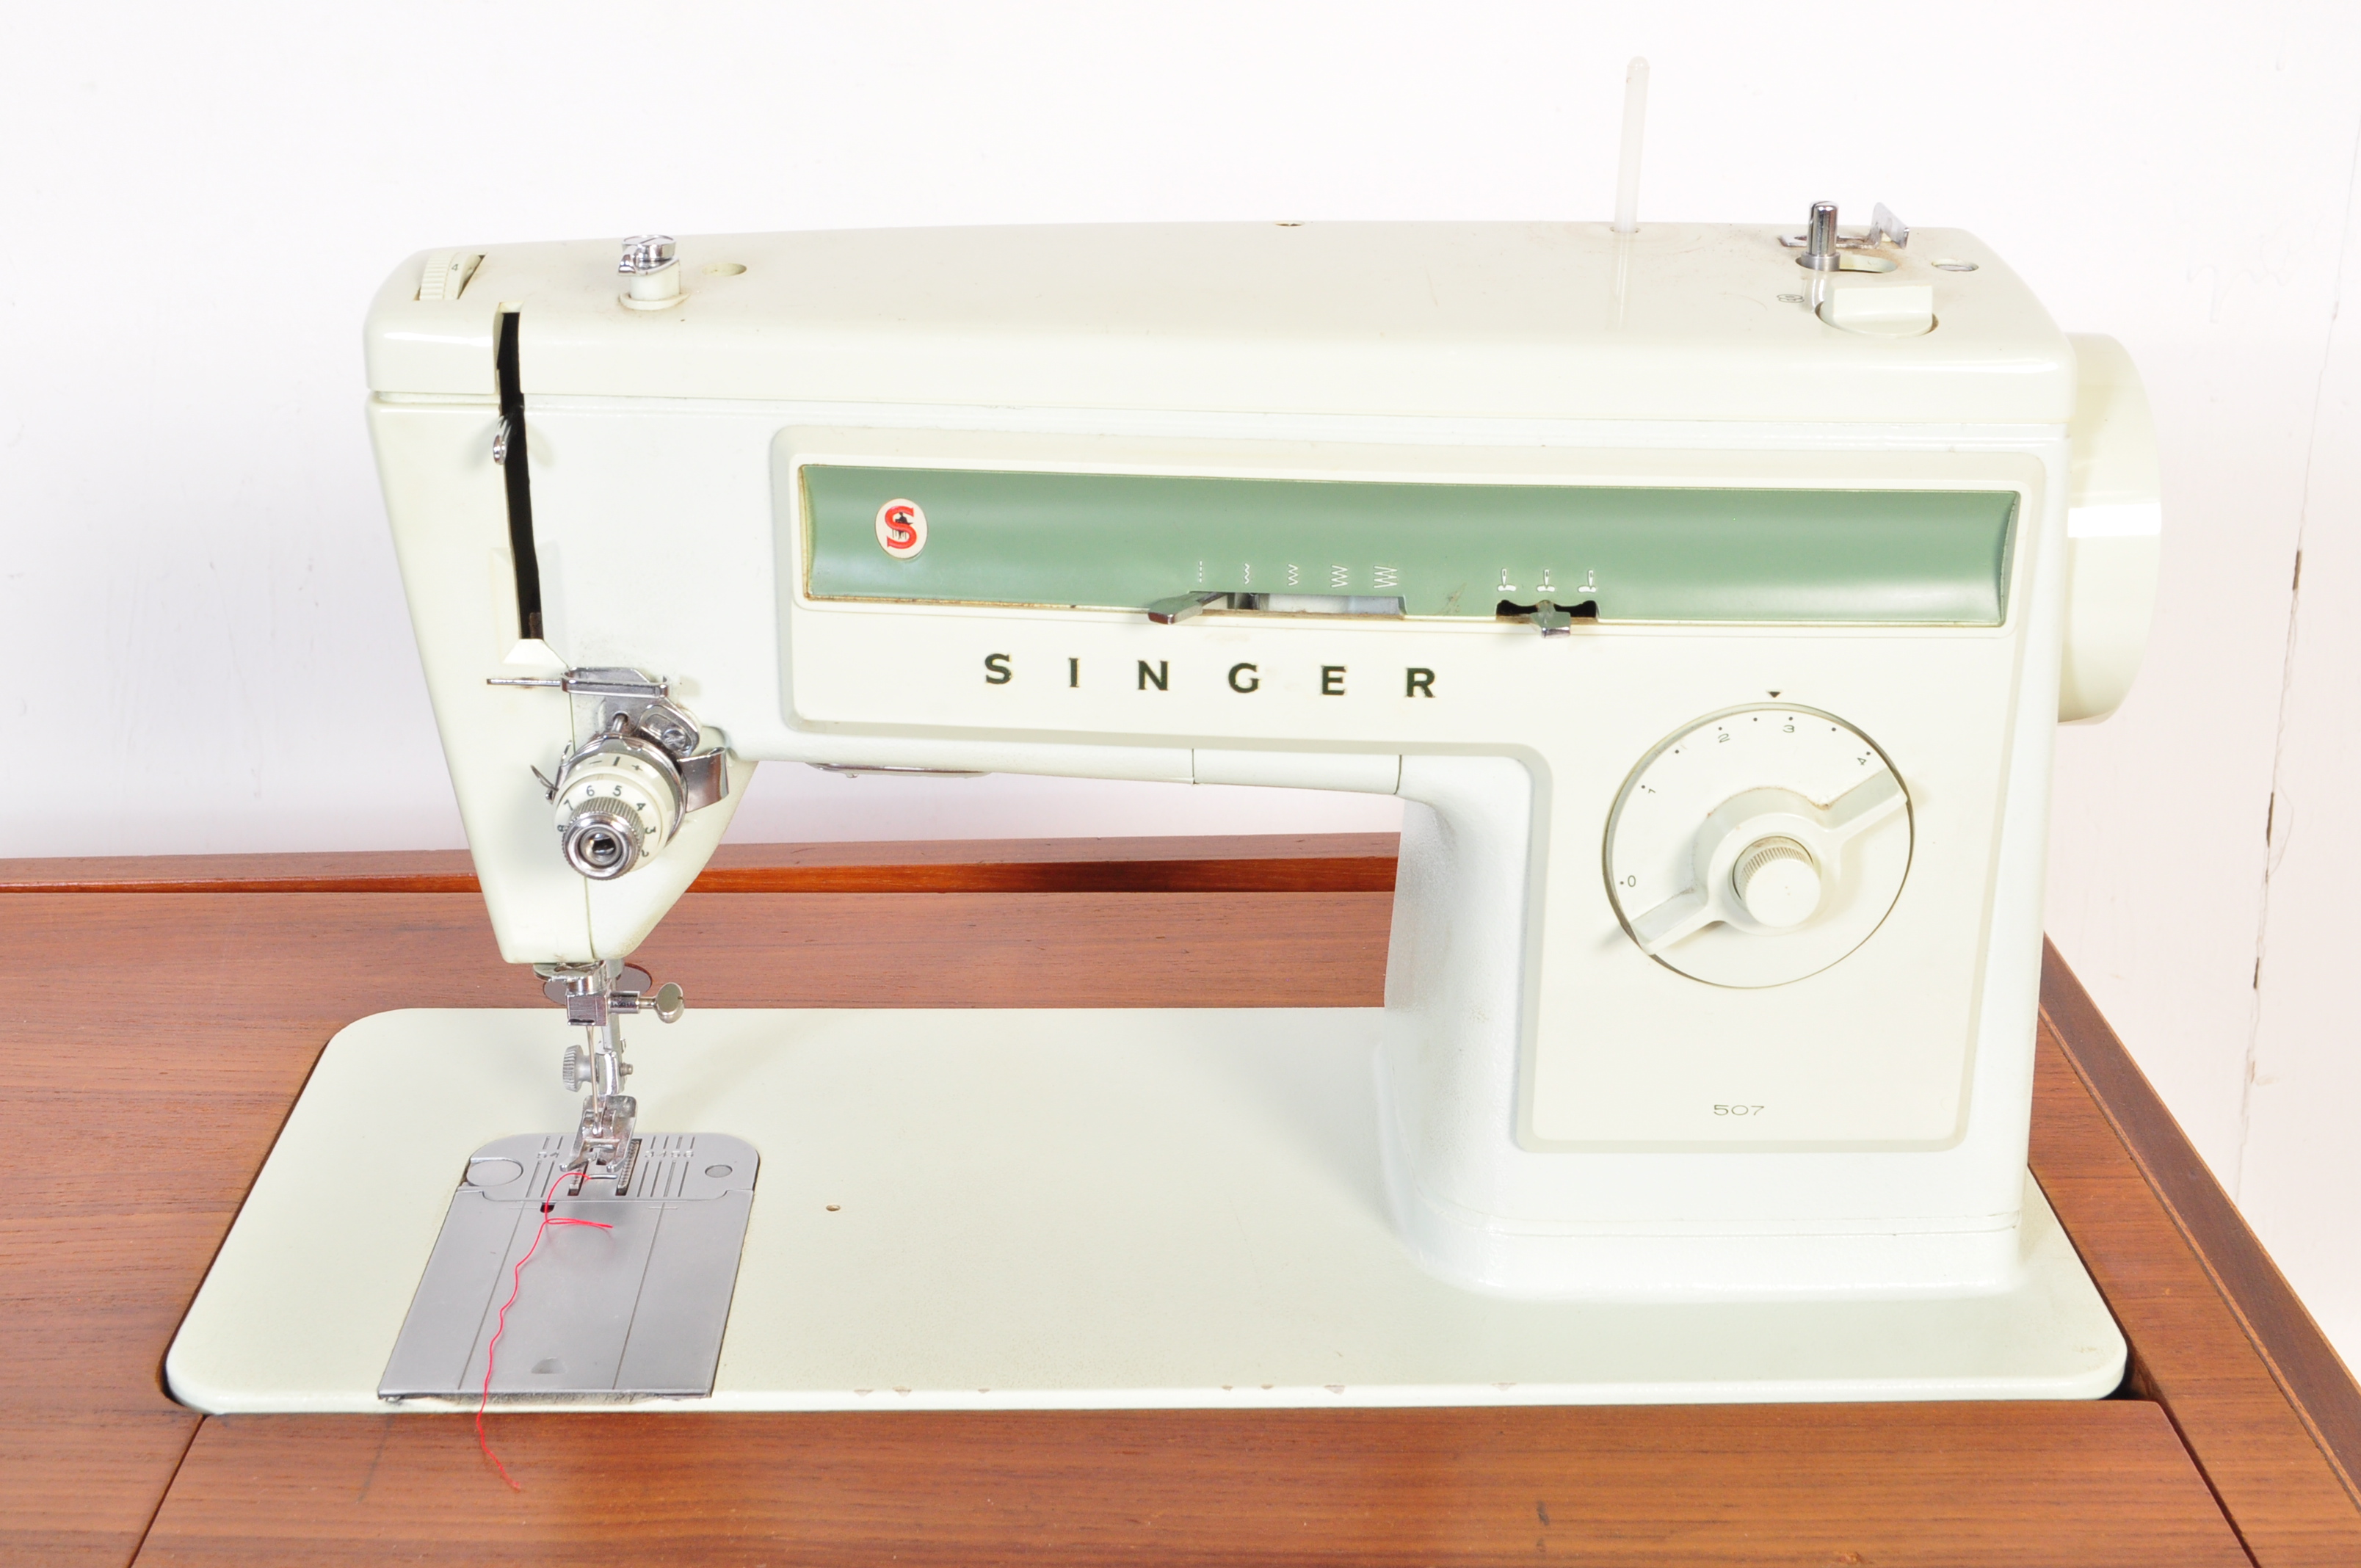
516,1283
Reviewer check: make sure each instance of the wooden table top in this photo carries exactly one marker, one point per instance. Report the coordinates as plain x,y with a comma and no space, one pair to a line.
167,1011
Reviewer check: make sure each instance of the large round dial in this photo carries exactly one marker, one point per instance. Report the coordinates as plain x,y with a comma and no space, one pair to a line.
1758,846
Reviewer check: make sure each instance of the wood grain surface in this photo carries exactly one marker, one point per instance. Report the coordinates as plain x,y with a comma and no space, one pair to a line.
2259,1449
1697,1487
2283,1333
1295,862
173,1030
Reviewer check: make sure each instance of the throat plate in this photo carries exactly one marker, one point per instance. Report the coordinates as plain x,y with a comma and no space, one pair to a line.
636,1308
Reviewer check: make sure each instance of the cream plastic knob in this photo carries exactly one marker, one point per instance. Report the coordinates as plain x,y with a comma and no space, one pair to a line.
1777,882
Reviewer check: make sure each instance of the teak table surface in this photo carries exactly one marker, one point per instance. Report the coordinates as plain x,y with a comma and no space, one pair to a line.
166,1011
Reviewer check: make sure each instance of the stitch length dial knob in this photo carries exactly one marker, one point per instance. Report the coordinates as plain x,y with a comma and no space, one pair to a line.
1759,846
1777,881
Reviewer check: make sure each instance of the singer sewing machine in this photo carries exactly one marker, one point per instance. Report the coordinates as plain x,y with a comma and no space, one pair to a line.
1707,593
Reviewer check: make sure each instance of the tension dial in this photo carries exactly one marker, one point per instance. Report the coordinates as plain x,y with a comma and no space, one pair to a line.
1758,846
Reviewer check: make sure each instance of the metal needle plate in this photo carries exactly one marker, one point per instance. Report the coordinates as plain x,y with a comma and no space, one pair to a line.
637,1308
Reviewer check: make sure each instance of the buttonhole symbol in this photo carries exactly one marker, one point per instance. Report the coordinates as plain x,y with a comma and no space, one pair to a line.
901,527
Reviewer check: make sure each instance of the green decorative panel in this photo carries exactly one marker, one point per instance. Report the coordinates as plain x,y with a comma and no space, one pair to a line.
1121,541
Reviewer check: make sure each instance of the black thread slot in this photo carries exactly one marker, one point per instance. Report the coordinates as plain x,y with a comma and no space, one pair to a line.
519,482
1586,610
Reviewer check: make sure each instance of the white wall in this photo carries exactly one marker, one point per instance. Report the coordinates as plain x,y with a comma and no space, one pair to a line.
199,620
2299,1165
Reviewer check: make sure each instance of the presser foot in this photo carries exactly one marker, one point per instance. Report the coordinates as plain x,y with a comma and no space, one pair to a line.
597,997
604,1147
633,1266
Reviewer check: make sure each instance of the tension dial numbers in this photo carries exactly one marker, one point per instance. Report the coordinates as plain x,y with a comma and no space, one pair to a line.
1756,847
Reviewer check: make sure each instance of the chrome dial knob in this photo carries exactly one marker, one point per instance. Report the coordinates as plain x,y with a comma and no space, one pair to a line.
602,837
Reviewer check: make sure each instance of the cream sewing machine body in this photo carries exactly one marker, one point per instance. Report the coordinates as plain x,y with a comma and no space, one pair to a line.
1710,613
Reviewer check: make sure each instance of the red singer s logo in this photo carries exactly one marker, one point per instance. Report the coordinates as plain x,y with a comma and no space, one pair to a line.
901,529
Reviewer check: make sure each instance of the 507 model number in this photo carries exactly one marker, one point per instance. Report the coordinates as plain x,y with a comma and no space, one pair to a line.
1738,1110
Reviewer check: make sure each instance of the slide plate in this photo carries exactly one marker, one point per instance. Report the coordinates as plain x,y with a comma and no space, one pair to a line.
630,1303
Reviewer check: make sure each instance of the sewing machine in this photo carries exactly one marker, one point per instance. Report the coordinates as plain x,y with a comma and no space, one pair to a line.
1708,595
